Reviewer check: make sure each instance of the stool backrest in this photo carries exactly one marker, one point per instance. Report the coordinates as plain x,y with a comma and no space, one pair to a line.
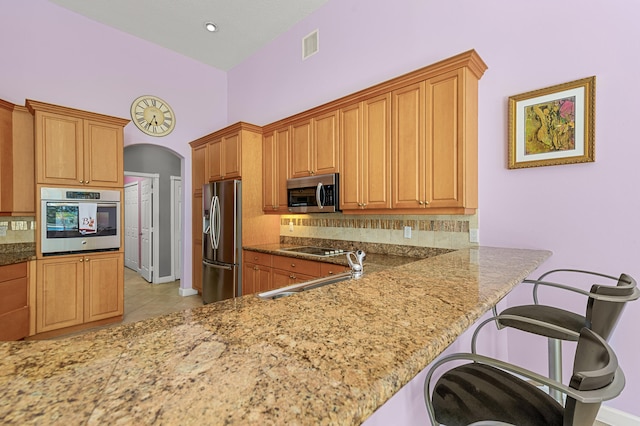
603,314
594,367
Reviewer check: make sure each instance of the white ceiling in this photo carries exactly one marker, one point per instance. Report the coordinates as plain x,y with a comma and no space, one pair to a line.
245,26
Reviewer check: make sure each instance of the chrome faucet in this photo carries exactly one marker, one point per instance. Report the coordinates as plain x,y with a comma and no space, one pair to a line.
355,261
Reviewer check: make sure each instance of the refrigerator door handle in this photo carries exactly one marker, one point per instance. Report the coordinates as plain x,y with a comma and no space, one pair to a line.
217,265
215,220
209,221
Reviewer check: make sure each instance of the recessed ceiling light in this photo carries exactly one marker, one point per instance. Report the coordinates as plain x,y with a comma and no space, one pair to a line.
210,26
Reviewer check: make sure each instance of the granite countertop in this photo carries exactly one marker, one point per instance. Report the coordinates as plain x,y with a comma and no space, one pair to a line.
332,355
17,253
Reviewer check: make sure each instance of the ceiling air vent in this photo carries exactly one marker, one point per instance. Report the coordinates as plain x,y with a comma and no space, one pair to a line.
310,45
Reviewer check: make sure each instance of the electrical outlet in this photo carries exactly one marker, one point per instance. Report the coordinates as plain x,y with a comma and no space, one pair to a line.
290,226
474,235
407,232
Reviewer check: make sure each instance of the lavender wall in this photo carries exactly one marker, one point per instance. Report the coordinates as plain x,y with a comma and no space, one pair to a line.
56,56
586,214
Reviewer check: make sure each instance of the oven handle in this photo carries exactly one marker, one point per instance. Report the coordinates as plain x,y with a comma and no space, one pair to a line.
63,204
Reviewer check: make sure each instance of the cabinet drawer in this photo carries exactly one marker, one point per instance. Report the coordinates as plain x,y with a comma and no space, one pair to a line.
263,259
306,267
13,295
11,272
14,325
332,269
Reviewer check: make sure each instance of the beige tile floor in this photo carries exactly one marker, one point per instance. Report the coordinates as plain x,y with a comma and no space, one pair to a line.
144,300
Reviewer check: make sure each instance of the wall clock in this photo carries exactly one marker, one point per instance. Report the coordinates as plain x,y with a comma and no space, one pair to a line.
152,115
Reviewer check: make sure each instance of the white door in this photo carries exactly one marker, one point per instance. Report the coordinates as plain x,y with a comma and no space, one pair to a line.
131,233
177,227
146,225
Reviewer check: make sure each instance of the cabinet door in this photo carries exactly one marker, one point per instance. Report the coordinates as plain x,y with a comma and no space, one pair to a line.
444,137
59,149
351,157
199,168
275,172
280,278
59,293
104,286
249,278
263,279
376,166
327,146
103,154
408,147
282,169
301,149
269,166
232,156
214,160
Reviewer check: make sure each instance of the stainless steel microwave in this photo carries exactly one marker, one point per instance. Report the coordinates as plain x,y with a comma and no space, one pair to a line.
313,194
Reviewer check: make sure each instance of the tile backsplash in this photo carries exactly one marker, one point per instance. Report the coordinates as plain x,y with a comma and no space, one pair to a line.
15,229
440,231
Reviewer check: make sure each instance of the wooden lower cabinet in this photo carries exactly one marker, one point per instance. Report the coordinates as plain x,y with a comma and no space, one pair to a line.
14,304
255,278
74,290
264,272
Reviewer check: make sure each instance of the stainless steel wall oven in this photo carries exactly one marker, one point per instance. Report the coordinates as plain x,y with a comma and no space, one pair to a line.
79,220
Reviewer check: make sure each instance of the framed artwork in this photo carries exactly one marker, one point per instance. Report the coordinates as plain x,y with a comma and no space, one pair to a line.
553,126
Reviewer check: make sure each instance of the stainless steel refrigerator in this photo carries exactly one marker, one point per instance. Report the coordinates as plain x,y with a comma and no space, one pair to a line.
222,240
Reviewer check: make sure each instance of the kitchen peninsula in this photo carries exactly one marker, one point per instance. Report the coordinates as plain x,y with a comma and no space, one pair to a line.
332,355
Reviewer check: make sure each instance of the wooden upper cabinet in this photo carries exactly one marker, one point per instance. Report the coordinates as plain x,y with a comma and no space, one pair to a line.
224,156
199,168
17,182
301,149
315,146
365,172
409,144
409,147
103,154
275,171
75,147
326,149
432,159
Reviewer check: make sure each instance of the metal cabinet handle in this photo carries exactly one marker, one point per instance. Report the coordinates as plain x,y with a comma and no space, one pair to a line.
293,265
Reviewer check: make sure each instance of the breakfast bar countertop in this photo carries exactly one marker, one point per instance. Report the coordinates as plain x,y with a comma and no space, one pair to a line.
332,355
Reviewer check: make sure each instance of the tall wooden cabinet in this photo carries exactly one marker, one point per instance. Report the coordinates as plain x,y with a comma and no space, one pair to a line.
17,182
75,147
236,149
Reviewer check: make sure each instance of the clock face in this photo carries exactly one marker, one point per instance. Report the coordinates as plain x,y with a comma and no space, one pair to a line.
153,116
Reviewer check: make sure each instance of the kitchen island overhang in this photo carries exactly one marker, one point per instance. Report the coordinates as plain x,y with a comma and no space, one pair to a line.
331,355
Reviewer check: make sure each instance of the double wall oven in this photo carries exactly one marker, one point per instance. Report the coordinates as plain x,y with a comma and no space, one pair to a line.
79,220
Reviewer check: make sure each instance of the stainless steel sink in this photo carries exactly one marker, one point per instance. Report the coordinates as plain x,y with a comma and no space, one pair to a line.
305,286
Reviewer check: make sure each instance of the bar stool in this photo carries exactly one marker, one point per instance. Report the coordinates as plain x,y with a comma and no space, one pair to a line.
487,391
604,307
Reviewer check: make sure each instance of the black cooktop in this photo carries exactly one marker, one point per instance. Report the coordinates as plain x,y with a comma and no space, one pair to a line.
316,251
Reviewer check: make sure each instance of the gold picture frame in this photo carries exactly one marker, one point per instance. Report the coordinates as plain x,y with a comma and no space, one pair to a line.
554,125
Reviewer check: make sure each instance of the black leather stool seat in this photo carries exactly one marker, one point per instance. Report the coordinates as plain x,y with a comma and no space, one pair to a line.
475,392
